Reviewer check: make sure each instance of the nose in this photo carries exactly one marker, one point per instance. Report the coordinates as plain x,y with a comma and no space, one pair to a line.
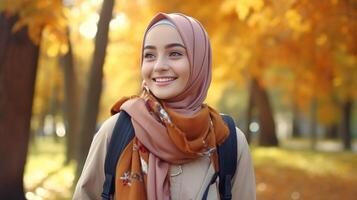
161,64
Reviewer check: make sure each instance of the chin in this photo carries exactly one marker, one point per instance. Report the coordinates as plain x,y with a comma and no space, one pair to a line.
163,95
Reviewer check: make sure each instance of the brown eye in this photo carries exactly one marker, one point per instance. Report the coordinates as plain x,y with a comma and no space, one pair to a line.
149,56
175,54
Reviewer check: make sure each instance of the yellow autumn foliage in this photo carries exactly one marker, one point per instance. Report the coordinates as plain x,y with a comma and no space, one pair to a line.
39,16
304,49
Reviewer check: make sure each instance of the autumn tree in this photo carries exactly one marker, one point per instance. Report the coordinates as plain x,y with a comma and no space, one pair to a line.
90,106
21,24
302,39
71,104
18,72
323,78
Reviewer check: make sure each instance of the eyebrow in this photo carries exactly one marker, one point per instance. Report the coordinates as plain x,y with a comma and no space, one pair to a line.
166,47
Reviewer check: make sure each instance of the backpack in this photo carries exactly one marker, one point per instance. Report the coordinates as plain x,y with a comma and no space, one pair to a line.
123,133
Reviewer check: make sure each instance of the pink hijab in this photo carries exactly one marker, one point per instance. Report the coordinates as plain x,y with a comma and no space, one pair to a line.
198,49
151,133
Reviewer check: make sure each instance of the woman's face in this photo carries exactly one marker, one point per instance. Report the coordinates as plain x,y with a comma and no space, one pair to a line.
165,68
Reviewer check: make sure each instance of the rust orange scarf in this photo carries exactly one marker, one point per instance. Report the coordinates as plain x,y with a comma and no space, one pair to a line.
142,169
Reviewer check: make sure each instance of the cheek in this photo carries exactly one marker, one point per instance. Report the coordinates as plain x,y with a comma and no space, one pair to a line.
184,71
145,71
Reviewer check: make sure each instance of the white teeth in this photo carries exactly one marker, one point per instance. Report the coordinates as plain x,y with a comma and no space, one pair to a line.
164,79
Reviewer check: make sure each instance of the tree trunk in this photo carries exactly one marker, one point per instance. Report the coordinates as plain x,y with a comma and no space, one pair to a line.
332,131
296,132
71,102
267,125
53,108
90,106
18,64
346,124
313,125
249,113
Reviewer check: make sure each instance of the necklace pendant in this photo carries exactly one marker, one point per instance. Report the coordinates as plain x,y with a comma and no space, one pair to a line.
175,170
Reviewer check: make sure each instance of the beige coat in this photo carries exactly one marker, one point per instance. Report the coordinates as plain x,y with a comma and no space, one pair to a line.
188,185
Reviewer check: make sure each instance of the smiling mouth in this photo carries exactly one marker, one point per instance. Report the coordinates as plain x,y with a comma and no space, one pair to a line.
164,79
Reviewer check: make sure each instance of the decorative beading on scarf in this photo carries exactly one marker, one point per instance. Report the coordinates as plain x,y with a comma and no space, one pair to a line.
127,178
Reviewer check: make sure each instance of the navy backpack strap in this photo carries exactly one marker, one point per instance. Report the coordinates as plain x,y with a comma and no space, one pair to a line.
213,180
227,160
123,133
227,154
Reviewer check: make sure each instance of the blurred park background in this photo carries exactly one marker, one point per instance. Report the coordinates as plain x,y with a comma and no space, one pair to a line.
286,70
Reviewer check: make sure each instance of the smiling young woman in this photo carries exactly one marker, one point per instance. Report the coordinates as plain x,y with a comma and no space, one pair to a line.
173,151
165,66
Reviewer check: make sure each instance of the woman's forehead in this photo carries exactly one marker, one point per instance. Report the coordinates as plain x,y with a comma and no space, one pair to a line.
161,35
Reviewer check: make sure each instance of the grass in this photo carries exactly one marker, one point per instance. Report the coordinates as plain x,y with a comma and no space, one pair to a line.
280,173
46,176
304,174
